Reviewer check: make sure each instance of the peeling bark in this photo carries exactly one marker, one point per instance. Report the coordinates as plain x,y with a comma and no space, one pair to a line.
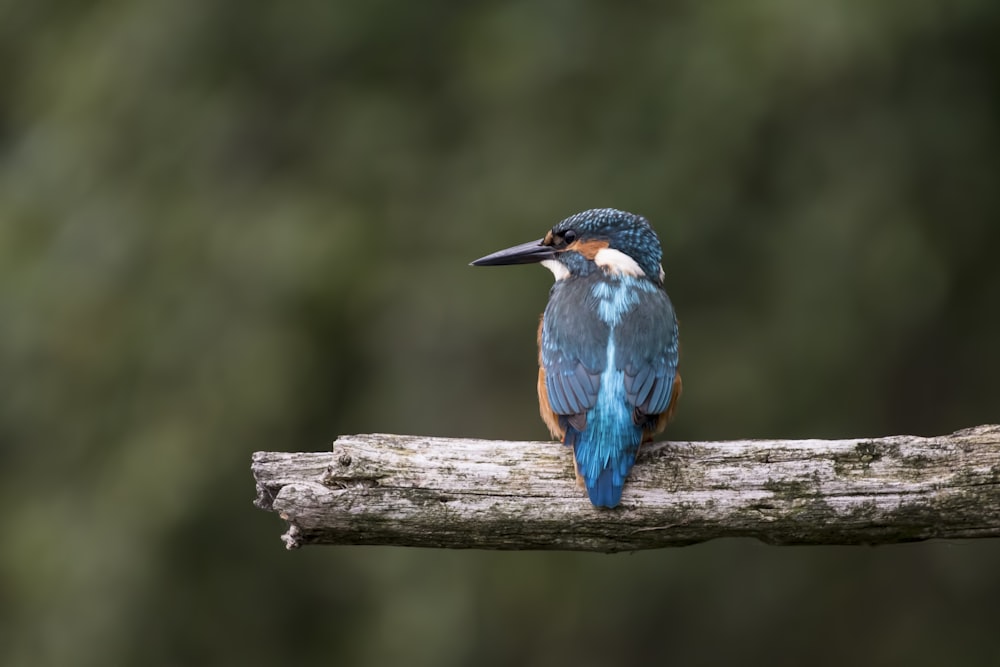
482,494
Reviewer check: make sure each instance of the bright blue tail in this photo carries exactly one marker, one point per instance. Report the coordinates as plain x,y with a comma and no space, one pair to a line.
604,458
606,447
607,489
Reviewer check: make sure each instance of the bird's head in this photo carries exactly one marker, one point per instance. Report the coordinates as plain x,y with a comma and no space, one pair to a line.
602,238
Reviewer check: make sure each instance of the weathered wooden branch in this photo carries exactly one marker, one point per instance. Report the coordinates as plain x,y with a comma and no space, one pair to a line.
438,492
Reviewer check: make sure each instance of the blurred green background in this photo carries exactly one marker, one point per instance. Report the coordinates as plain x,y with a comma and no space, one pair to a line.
230,226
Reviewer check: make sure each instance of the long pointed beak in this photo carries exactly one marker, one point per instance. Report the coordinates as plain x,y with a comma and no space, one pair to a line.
526,253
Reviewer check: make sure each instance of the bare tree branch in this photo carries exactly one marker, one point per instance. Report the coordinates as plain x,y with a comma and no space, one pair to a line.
456,493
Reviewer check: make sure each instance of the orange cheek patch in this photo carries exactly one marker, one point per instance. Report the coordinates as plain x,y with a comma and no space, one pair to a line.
588,249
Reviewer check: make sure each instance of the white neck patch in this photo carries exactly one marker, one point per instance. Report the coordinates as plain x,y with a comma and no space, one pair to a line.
615,261
557,268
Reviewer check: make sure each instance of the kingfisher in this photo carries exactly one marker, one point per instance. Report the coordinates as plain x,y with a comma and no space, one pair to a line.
607,342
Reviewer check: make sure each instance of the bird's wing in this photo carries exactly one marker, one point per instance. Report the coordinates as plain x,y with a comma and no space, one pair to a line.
647,345
571,385
573,352
573,344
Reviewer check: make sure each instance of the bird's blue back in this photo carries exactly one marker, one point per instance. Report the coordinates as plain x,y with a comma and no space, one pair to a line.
609,350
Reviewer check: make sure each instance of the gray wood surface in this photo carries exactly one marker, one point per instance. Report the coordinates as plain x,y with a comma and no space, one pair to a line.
487,494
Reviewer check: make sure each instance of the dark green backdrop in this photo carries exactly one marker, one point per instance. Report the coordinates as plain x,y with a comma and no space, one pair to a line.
230,226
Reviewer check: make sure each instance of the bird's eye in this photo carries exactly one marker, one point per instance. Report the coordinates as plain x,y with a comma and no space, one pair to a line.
569,236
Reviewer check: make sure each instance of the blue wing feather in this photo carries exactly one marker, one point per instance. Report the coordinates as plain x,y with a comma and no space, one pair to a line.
650,353
573,342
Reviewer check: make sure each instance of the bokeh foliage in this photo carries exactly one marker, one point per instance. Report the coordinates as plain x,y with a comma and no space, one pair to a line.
230,226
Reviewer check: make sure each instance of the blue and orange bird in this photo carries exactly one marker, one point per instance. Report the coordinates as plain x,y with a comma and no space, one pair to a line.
607,342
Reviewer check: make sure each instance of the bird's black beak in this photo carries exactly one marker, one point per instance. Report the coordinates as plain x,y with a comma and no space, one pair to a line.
526,253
